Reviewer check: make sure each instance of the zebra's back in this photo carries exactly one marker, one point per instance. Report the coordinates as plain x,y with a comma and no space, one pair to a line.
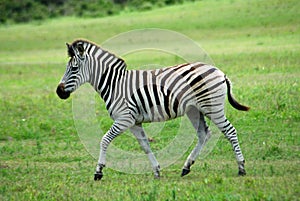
162,94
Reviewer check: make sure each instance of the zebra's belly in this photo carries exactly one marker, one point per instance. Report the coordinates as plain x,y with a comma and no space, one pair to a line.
157,114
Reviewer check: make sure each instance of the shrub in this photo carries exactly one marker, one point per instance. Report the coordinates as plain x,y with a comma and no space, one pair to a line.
28,10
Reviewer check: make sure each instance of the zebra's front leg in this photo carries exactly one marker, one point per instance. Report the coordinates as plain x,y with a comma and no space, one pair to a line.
98,174
140,135
113,132
102,156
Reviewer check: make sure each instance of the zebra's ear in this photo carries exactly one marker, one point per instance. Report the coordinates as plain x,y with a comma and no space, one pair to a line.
70,50
80,49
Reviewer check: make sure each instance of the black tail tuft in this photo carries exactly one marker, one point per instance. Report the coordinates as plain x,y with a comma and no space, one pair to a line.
231,100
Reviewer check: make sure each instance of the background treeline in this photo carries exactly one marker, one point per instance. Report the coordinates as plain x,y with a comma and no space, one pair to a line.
19,11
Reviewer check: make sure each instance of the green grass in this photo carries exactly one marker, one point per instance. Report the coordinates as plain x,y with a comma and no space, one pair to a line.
256,43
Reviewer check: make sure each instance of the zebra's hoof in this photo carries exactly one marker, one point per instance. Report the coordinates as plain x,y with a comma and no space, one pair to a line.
242,172
185,172
156,176
98,176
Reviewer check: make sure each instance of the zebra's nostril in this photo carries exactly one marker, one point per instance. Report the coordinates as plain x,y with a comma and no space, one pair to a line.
60,91
61,87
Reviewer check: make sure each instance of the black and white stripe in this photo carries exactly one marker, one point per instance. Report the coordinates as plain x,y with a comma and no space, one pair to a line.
133,97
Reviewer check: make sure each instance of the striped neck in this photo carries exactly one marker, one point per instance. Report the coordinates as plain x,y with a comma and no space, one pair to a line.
106,72
111,76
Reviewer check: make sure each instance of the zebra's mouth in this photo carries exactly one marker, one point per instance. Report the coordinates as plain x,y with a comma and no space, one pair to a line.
60,91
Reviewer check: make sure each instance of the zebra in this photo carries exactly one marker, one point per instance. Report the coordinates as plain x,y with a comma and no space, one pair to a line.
133,97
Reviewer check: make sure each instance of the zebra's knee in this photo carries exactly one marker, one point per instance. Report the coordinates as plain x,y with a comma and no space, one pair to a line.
103,144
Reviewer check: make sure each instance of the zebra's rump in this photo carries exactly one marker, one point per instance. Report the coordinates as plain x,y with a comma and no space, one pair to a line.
162,94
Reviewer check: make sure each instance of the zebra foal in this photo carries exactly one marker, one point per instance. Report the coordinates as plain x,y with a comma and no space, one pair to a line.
133,97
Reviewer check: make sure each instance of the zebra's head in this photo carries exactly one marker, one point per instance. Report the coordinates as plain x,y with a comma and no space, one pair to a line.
76,73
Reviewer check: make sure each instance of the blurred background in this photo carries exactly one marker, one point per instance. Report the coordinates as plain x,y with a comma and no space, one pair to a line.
28,10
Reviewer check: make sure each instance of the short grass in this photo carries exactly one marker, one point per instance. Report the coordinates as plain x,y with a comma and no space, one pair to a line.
256,43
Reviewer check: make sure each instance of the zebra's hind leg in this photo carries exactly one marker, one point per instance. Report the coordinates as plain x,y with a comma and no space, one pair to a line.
140,135
230,133
203,134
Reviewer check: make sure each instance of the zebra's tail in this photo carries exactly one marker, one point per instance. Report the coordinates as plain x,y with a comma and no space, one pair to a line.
231,100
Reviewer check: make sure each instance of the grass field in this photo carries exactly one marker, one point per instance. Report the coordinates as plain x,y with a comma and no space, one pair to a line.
256,43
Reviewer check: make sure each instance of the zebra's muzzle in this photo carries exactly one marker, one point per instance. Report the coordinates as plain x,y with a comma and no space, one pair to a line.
61,91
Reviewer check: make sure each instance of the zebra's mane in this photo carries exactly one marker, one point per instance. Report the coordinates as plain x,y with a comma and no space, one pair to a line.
81,40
